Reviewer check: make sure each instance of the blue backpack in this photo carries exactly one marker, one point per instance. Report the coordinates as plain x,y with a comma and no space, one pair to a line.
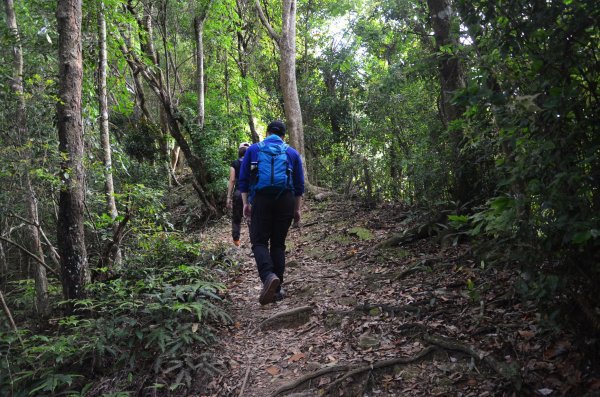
274,172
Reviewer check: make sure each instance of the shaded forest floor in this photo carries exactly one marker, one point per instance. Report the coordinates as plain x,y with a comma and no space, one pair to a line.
414,320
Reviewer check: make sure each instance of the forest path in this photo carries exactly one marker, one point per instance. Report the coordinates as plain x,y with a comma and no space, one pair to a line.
366,307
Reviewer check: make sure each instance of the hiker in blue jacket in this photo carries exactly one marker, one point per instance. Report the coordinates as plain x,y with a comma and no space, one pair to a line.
272,184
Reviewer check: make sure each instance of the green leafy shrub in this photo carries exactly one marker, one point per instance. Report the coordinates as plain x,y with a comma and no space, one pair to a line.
153,322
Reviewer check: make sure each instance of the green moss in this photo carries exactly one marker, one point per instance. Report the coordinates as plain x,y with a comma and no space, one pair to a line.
361,233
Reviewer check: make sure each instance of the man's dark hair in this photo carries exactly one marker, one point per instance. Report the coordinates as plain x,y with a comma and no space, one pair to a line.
276,127
242,151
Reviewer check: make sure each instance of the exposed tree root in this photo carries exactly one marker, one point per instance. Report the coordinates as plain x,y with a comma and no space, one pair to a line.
244,382
308,377
296,316
412,308
379,365
421,265
420,232
505,370
589,311
416,308
411,270
351,371
324,195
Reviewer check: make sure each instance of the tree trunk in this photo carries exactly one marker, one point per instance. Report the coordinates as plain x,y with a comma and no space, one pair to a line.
451,80
287,72
140,96
3,264
287,76
154,78
109,190
42,305
70,231
39,275
199,28
243,49
253,133
199,20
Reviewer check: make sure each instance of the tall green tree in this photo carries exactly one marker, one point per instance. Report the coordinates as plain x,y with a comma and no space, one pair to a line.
114,256
286,43
199,20
70,230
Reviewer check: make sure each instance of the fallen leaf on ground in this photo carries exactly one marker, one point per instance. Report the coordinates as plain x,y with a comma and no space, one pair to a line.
557,349
273,370
296,357
525,334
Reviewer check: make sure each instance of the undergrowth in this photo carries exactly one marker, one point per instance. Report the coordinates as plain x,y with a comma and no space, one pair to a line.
145,331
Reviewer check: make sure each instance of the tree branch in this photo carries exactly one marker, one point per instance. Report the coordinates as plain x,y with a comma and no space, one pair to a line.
10,317
30,254
54,254
261,15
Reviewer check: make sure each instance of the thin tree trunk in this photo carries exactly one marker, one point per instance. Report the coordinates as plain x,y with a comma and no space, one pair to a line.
42,305
9,316
199,20
243,41
39,274
164,125
109,190
149,42
451,80
226,77
199,28
3,264
70,231
287,77
287,72
253,132
141,97
155,80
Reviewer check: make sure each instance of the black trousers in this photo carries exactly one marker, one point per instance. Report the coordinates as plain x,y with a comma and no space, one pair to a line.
236,218
271,220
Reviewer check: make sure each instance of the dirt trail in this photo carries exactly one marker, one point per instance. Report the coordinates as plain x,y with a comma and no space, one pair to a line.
368,308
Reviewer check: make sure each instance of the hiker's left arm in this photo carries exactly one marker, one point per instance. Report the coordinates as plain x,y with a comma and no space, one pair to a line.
247,206
230,187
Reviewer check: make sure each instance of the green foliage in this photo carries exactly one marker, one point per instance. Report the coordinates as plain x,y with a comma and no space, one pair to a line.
533,100
361,233
141,140
153,321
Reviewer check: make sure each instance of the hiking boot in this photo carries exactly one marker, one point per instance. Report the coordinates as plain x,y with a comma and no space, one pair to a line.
267,295
279,295
236,243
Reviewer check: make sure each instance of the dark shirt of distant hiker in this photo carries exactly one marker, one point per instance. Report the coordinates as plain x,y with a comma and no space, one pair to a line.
272,185
234,197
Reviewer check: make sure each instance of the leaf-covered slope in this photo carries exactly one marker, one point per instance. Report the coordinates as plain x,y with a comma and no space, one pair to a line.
415,320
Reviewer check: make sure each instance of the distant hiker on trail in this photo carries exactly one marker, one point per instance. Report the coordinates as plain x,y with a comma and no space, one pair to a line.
272,185
234,197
